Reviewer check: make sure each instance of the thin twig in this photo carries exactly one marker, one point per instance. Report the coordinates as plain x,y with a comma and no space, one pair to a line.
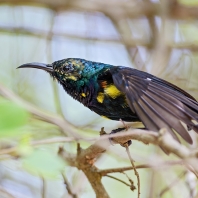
172,184
163,138
5,192
152,166
43,188
63,124
127,42
68,187
132,186
119,10
117,179
151,186
134,168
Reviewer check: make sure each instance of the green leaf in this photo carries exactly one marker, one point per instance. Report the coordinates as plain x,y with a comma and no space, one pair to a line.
12,117
189,2
44,163
24,148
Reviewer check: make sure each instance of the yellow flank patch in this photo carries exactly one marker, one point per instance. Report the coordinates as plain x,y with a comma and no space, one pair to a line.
100,97
112,91
72,78
83,94
105,117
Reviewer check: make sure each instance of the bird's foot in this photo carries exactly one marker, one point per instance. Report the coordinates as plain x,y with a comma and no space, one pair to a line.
126,127
117,131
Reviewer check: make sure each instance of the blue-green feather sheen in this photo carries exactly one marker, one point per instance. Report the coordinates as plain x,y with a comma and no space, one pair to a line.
90,73
92,70
85,71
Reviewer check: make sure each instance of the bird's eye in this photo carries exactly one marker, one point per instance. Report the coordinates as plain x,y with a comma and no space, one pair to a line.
68,68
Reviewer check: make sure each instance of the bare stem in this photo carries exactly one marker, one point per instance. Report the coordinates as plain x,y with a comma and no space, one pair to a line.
68,187
117,179
134,168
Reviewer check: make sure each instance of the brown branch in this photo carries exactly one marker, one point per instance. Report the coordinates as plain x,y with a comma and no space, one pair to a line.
128,42
65,126
135,171
118,180
153,166
163,139
4,192
95,181
121,10
85,158
84,161
12,149
161,52
68,187
47,35
172,184
43,193
132,187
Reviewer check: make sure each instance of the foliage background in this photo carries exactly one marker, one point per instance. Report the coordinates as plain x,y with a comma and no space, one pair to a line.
159,37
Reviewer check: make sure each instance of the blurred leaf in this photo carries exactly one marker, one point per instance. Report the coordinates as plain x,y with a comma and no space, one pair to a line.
12,117
24,147
189,2
189,32
44,163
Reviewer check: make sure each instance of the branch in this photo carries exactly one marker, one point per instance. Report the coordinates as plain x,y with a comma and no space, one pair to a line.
86,165
153,166
68,187
119,10
128,42
85,158
135,171
43,192
63,124
162,139
4,192
172,184
118,180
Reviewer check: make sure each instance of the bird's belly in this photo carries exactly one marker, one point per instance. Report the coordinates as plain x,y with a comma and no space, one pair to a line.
113,108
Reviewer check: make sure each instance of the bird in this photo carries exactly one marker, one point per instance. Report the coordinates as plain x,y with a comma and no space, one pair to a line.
127,94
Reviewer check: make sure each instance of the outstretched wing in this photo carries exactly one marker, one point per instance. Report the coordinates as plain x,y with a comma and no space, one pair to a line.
158,103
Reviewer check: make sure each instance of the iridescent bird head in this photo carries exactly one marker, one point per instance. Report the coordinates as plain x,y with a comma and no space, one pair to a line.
70,69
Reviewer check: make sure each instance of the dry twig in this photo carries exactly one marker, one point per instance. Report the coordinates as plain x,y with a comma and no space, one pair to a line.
134,168
68,187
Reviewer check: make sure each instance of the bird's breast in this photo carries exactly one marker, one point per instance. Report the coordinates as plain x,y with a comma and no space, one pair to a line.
111,103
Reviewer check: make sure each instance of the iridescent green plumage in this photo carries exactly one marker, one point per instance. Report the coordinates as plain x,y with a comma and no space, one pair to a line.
86,81
118,92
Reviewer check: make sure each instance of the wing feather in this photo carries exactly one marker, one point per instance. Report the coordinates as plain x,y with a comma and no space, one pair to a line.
158,103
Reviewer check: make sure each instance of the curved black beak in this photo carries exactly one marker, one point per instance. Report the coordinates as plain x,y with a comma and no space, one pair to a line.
46,67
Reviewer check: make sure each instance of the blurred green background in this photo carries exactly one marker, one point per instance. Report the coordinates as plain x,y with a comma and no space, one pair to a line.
133,33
